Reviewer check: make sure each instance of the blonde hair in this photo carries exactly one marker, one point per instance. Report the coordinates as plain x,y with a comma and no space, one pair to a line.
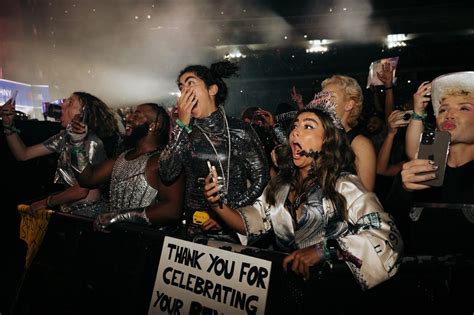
352,91
457,92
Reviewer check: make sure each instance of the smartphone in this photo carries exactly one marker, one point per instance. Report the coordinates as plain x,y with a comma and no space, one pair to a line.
405,118
84,113
434,146
14,95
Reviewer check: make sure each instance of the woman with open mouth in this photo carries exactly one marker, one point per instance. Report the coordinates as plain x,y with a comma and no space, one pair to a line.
204,138
318,210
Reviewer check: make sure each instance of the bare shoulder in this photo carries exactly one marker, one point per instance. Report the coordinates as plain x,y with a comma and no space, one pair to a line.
362,143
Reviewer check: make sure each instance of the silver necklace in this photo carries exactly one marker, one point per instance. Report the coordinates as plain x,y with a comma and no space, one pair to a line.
225,176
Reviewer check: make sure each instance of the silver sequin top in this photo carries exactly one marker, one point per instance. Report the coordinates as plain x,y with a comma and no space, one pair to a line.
129,188
59,143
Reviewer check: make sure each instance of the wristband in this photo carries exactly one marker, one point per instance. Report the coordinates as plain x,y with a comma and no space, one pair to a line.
389,88
322,249
183,126
416,116
12,129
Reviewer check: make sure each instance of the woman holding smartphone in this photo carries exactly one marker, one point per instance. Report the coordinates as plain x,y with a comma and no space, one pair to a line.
203,133
102,139
316,207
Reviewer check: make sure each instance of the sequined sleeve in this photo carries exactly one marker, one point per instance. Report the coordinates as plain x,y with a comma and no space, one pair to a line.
373,239
257,168
56,143
256,221
174,155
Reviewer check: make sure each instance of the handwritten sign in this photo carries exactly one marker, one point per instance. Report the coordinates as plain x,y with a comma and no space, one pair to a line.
198,279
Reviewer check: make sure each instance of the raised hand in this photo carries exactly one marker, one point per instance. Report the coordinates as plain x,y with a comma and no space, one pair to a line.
297,98
386,75
7,112
421,98
267,116
395,121
186,101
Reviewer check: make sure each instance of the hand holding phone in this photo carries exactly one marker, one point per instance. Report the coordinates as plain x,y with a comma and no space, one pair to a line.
214,180
13,98
434,146
404,117
7,111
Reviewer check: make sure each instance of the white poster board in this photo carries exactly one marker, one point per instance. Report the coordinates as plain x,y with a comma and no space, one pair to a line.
197,279
376,67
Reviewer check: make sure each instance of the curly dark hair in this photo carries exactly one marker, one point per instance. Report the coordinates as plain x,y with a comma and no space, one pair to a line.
214,75
101,120
336,157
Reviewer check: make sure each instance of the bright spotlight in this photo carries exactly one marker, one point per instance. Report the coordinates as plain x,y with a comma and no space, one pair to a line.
317,46
396,40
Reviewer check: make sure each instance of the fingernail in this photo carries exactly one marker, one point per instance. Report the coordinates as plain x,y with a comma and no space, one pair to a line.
433,176
431,162
435,167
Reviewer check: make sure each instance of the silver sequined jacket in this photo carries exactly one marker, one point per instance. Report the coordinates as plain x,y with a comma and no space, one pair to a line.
248,168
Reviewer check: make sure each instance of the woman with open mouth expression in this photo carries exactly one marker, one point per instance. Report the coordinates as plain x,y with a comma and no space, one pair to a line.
315,201
203,138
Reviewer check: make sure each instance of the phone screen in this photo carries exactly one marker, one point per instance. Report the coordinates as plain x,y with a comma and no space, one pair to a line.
434,146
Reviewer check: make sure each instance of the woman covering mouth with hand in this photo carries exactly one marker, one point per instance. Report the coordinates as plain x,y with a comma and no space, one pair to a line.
203,133
318,210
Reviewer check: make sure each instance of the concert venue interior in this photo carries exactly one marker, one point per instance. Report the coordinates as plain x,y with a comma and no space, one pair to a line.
130,52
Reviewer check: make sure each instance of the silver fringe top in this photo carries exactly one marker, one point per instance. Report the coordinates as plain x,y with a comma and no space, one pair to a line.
129,188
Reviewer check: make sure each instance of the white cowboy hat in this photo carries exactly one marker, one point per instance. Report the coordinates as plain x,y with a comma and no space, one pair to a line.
457,80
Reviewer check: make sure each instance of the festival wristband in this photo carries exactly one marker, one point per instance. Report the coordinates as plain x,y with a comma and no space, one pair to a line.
183,126
416,116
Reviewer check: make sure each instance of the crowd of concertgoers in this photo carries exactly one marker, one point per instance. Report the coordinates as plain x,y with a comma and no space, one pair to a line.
309,179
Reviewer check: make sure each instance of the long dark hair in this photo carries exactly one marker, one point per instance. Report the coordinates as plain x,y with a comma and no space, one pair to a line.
101,120
214,75
336,157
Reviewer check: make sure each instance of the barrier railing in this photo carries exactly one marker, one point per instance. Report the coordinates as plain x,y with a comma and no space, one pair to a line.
80,271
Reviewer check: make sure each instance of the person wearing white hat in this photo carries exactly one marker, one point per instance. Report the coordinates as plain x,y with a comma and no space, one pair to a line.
452,98
453,106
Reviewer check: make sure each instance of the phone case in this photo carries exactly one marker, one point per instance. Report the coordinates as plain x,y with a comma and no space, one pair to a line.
434,145
406,117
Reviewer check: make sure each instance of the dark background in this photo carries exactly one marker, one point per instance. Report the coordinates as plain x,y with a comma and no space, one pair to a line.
129,51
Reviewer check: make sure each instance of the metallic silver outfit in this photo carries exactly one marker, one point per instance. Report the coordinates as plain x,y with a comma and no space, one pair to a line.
129,188
316,223
94,147
369,234
192,151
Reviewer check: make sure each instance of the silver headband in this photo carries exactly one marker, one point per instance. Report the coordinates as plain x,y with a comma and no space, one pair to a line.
324,102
